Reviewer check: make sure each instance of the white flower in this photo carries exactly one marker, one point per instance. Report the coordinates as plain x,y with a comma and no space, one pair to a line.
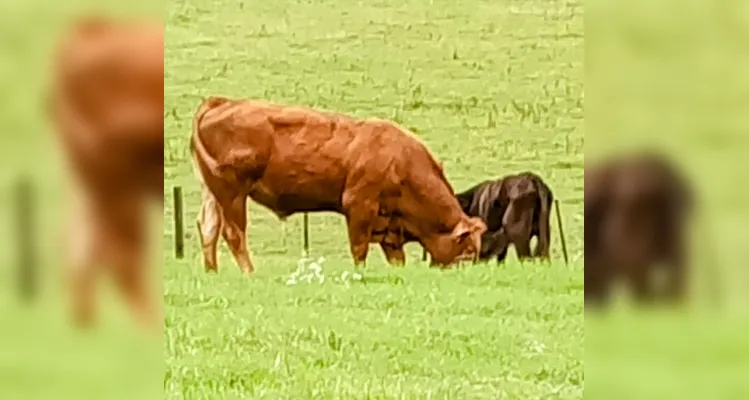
307,271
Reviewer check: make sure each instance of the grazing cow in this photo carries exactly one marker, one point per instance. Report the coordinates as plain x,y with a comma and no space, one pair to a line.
515,208
106,105
635,213
291,159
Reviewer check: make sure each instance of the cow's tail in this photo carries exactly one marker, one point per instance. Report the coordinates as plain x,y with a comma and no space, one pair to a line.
197,149
208,217
544,236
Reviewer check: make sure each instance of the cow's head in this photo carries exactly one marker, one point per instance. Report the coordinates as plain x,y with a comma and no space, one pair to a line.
494,243
462,244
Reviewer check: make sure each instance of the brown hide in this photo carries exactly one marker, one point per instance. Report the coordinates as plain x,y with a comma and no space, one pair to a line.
293,159
525,203
106,105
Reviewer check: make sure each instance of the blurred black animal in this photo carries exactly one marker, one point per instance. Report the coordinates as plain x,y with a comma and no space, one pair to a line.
636,209
515,208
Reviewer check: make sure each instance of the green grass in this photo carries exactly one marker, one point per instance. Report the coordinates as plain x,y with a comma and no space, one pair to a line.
662,354
492,88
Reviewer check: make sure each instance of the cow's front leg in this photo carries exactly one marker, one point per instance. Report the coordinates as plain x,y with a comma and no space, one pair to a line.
359,234
361,214
359,219
393,253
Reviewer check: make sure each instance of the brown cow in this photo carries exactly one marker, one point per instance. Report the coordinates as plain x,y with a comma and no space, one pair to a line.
106,105
635,213
292,159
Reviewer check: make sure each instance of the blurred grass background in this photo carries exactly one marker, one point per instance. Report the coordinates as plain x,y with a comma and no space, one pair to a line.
671,75
40,355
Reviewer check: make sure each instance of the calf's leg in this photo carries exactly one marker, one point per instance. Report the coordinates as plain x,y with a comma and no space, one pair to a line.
543,237
517,223
502,255
597,284
675,260
493,244
641,283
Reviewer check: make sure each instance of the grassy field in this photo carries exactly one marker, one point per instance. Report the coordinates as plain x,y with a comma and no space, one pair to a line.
492,88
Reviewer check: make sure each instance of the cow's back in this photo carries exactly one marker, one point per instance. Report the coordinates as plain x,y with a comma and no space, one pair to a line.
289,159
107,102
112,73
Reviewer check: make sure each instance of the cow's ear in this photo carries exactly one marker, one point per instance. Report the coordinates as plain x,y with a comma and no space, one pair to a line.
477,225
462,230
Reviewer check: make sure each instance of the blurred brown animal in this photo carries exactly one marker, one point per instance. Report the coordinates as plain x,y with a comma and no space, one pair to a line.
292,159
106,105
636,208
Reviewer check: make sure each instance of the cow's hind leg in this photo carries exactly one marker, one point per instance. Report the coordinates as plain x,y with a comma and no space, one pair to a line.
234,211
124,228
83,255
210,223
